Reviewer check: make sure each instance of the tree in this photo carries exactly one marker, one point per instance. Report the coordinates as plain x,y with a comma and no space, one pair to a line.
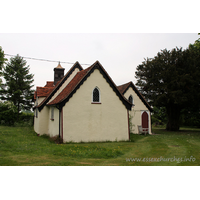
159,116
17,87
170,80
2,60
196,45
192,114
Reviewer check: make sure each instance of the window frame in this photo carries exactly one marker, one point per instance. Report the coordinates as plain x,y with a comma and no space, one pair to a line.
36,109
52,113
96,102
36,112
132,99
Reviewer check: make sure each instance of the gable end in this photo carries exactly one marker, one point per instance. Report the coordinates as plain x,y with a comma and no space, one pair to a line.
90,70
125,87
45,101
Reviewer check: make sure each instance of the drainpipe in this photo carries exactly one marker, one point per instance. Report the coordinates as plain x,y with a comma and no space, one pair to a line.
59,121
59,108
128,125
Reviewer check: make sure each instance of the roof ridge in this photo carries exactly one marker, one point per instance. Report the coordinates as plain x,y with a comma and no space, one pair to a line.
79,79
125,84
43,91
139,94
59,98
58,85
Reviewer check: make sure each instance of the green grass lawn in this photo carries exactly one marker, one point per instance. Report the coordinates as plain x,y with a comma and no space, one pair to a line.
20,146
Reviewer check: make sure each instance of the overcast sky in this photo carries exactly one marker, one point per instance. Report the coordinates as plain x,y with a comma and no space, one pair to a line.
108,31
119,53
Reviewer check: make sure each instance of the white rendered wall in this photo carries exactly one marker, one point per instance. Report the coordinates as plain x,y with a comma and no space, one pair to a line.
87,122
137,110
53,128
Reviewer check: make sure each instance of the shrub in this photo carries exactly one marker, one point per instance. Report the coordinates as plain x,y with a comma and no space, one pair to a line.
25,119
8,113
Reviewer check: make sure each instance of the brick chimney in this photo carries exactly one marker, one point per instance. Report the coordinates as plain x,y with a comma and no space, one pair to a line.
58,73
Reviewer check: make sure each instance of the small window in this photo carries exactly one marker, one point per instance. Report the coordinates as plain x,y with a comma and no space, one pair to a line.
130,99
36,109
36,112
96,95
52,113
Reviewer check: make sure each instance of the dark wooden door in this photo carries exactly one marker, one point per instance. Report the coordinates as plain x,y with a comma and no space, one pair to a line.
145,121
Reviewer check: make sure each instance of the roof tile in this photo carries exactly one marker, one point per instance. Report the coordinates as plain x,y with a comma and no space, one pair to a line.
43,91
49,84
123,88
59,84
69,88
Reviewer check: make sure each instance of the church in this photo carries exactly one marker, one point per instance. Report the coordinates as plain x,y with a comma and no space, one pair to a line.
85,105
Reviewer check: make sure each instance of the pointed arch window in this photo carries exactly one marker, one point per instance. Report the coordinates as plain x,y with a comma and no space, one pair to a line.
96,95
130,99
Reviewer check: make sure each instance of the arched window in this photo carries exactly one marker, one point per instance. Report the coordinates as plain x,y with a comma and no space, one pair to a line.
130,99
96,95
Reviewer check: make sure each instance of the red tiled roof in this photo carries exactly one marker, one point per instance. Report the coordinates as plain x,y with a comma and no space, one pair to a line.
70,87
43,91
122,88
75,83
49,84
59,84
